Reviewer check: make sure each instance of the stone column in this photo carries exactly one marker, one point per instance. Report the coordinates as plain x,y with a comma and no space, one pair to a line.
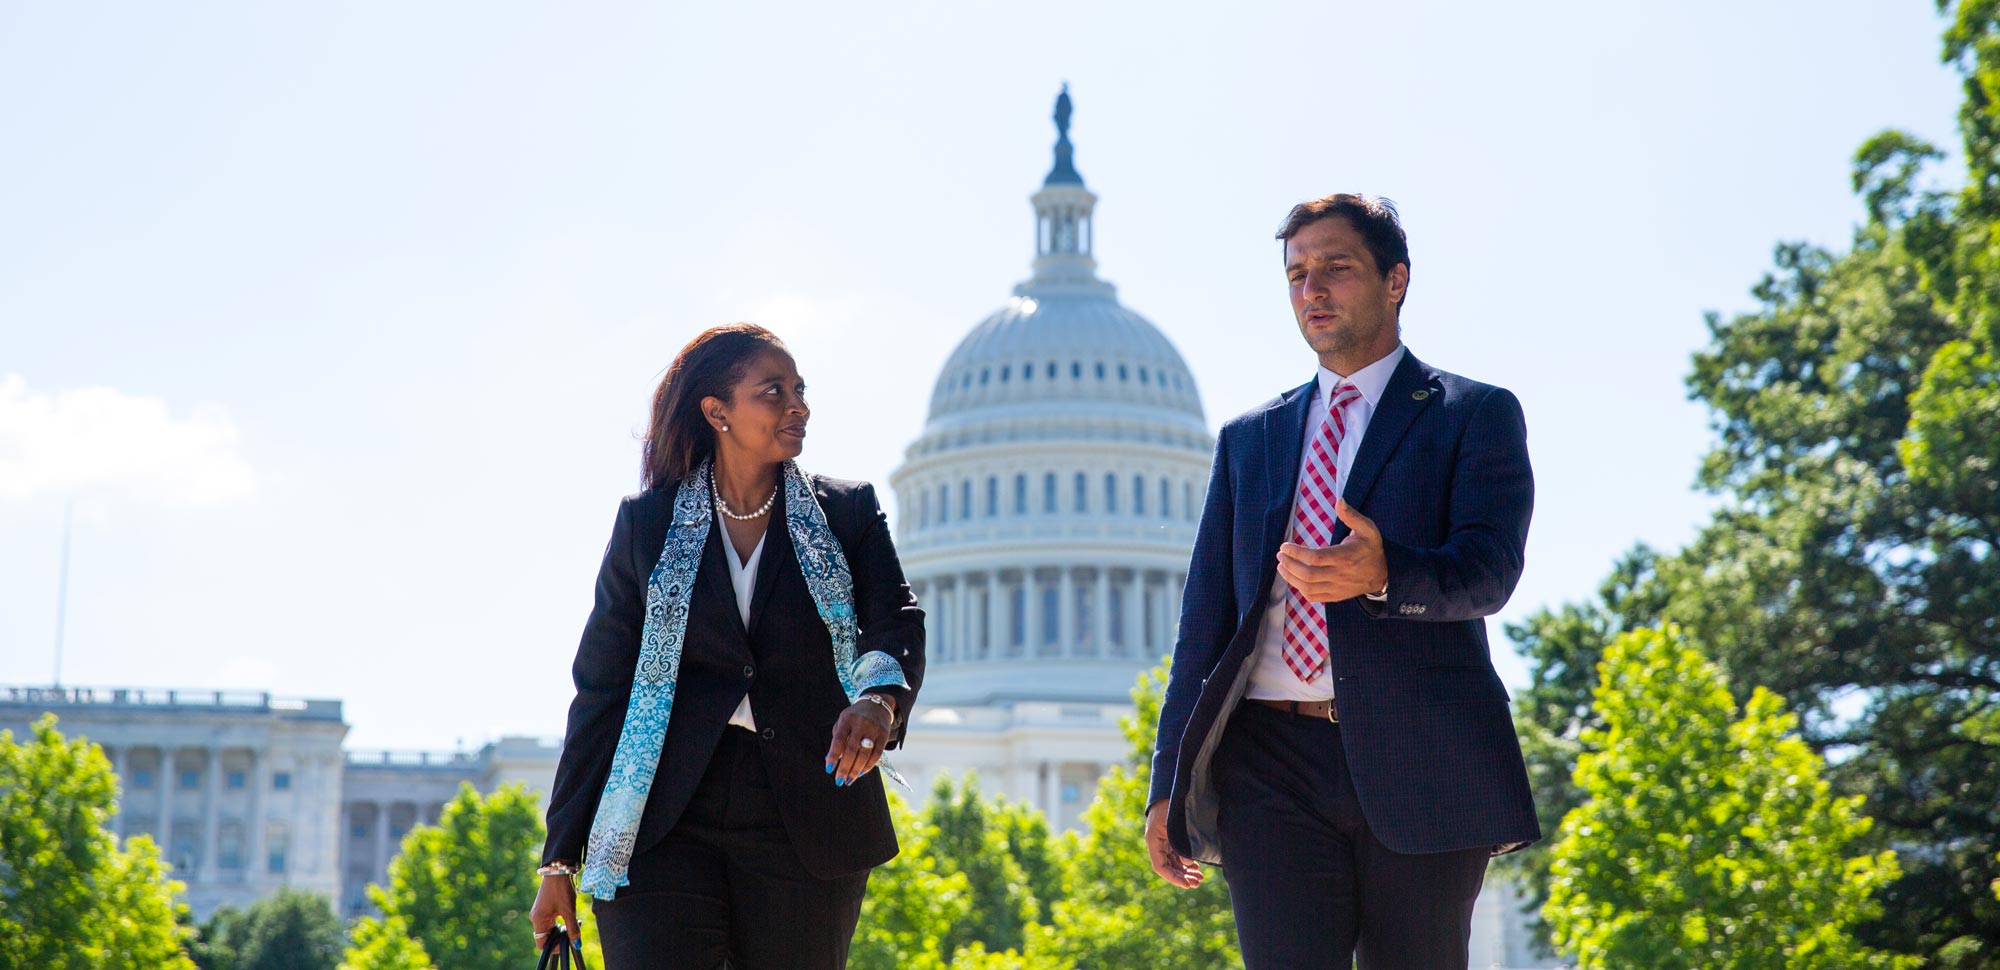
253,821
963,623
384,850
121,764
1100,617
163,830
1135,622
211,836
1024,782
1161,623
996,616
1066,607
1052,794
1031,593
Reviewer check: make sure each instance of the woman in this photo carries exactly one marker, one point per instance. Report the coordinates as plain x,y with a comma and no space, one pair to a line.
753,652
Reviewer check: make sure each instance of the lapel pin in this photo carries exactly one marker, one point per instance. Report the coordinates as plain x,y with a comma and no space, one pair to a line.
1420,393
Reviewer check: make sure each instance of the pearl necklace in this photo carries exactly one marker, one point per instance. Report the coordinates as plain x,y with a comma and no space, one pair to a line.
724,506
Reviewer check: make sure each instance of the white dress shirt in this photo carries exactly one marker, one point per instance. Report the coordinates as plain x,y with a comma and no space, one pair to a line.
1270,677
743,577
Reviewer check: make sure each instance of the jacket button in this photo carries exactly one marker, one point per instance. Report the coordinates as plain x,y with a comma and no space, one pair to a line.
749,671
768,733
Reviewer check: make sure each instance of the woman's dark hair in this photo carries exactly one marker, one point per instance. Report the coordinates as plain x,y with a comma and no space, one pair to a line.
679,438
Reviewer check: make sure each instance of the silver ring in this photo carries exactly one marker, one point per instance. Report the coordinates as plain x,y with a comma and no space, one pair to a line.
867,743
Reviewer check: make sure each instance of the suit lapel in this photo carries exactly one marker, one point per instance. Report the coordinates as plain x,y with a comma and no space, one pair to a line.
1411,389
1284,438
778,556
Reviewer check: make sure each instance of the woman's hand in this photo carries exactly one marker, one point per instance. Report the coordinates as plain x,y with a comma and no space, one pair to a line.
556,898
859,737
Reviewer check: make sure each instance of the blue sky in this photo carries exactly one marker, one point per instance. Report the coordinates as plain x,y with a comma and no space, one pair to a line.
339,321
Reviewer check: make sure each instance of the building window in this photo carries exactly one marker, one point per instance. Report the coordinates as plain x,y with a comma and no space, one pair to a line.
183,853
1116,604
1028,372
1142,375
142,777
229,846
140,824
1052,370
190,779
1049,492
1121,372
923,508
1018,628
944,504
1020,495
1082,492
1138,495
1100,370
1076,370
278,846
1051,615
992,496
236,780
965,499
984,373
1164,492
1006,371
281,781
1187,501
359,829
1110,493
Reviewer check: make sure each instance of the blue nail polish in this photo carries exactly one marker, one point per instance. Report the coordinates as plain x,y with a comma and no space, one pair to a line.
829,767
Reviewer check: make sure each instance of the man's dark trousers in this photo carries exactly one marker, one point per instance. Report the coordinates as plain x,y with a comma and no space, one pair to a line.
1299,852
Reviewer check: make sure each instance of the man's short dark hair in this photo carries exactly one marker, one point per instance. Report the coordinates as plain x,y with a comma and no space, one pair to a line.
1373,216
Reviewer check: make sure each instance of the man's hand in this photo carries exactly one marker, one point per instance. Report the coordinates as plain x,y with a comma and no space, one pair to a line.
1355,567
1175,868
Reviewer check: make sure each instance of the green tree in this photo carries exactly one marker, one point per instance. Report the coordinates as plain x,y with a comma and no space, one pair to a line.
1708,840
70,898
385,944
292,930
912,910
1116,912
1851,568
973,877
459,891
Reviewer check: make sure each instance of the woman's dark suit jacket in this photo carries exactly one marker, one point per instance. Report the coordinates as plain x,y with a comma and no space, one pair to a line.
784,661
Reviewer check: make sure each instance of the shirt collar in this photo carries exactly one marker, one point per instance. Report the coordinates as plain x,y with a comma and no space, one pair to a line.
1371,380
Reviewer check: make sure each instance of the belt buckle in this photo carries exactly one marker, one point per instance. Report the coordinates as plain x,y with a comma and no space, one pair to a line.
1332,712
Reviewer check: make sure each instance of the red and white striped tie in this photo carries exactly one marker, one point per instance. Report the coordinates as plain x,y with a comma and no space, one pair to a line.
1312,526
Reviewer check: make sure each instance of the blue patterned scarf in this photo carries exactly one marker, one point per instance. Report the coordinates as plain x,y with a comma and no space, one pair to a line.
616,827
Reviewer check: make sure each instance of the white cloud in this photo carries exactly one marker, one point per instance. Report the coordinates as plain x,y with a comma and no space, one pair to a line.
97,438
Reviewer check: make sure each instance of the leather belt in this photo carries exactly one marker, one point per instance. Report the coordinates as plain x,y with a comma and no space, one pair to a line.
1313,709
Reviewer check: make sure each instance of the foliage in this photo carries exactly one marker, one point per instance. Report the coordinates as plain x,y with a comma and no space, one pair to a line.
1851,568
291,930
459,891
70,897
1707,840
1116,911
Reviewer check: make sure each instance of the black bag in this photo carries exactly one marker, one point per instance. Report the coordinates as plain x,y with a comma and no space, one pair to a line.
557,953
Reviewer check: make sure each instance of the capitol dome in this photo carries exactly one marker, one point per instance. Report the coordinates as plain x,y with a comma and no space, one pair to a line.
1048,507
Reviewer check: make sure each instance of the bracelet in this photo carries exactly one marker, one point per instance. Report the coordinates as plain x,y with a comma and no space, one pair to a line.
557,869
886,703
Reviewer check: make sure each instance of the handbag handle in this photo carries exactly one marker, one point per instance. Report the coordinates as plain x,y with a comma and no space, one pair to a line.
557,952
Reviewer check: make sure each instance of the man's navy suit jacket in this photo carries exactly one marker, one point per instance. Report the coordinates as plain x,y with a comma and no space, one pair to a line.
1443,472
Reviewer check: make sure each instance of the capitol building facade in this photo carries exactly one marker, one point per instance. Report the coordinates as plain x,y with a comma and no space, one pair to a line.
1045,518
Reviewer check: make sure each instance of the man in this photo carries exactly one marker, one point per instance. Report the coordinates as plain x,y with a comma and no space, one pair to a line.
1333,733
